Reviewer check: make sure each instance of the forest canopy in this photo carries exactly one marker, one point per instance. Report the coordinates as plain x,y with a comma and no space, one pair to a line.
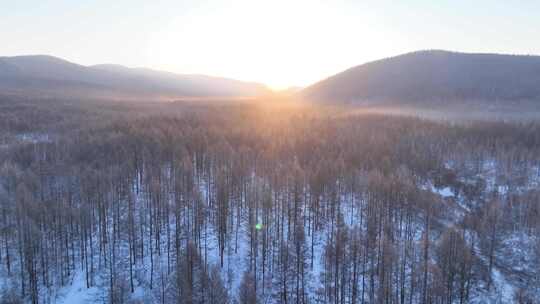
245,203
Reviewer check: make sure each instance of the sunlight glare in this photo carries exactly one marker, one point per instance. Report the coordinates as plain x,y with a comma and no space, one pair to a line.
278,43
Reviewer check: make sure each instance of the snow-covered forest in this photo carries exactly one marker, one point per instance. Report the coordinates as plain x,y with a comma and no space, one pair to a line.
191,203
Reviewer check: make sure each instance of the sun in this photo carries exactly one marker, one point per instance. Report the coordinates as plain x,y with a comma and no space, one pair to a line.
278,43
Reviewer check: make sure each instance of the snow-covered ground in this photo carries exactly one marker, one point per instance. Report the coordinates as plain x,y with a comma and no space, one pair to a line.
33,137
444,192
514,254
76,292
24,138
501,292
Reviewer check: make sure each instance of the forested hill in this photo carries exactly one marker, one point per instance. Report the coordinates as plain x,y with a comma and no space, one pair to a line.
434,76
50,76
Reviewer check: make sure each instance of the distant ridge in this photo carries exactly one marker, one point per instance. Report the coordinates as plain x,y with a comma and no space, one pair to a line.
44,75
433,75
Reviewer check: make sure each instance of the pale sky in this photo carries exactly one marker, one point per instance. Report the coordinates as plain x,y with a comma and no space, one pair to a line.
277,42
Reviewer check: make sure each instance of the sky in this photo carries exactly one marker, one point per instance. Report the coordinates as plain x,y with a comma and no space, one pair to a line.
280,43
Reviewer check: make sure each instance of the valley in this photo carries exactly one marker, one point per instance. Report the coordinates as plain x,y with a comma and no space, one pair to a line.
259,202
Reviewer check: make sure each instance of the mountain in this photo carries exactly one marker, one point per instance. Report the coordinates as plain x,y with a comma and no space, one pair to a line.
433,76
50,76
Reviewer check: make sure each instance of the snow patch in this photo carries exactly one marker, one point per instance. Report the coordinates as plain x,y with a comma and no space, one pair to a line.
76,293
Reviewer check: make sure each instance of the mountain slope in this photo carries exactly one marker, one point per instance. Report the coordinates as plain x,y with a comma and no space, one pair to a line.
47,75
433,75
